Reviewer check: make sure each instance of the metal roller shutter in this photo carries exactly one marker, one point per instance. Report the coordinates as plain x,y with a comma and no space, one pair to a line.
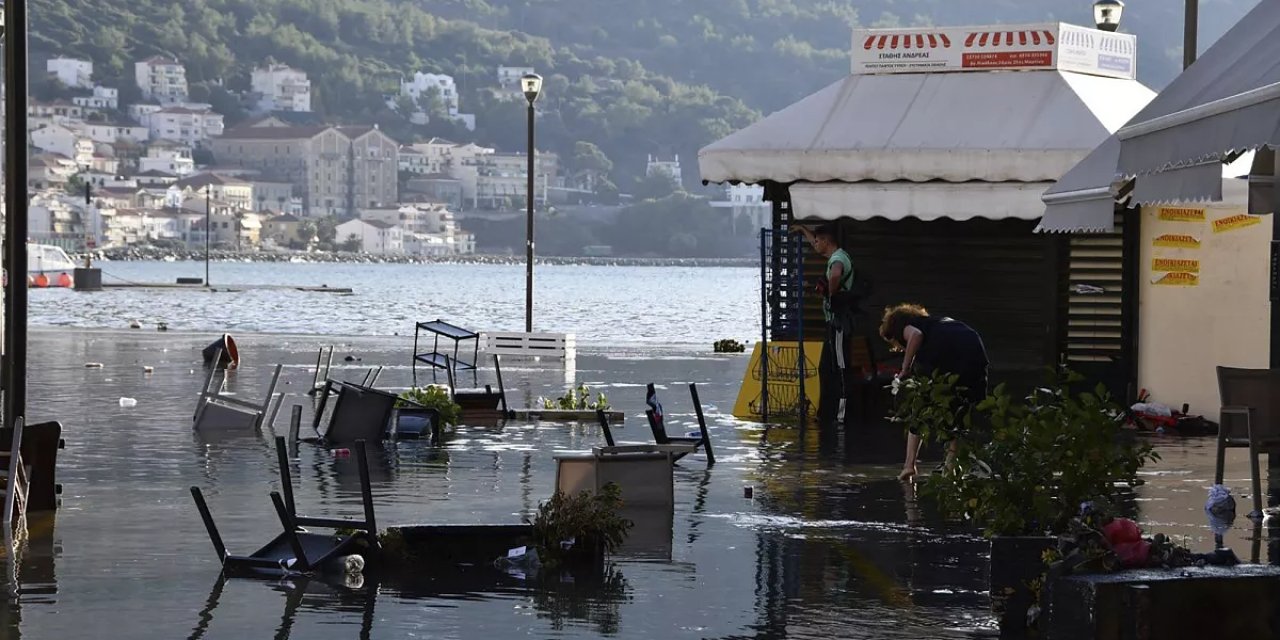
997,276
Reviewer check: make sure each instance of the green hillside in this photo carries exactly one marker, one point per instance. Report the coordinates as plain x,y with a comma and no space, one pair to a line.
632,76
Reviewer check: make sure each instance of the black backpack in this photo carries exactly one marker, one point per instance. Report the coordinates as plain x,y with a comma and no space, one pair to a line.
850,300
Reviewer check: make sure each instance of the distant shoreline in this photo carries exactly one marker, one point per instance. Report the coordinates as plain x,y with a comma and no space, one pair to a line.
131,254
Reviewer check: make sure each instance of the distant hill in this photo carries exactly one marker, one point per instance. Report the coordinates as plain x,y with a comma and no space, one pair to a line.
632,76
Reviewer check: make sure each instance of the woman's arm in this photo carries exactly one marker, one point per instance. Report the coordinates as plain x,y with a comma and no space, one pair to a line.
914,338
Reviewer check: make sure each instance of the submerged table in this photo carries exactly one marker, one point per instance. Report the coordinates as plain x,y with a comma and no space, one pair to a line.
438,360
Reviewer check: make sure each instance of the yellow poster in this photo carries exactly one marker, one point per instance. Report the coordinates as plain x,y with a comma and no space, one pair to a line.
1181,214
1175,264
1177,241
1178,279
1238,221
783,381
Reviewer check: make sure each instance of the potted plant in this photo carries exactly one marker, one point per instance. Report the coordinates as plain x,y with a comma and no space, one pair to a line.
436,398
578,530
578,399
1023,469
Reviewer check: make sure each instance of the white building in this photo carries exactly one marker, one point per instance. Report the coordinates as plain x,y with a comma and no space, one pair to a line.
162,79
376,237
426,158
671,168
71,72
102,98
63,141
173,158
139,111
109,133
422,83
183,124
428,228
281,88
509,77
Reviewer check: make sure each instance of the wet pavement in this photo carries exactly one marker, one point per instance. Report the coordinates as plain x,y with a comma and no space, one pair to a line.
830,545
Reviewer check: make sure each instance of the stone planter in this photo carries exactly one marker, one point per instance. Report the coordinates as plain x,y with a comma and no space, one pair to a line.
1016,561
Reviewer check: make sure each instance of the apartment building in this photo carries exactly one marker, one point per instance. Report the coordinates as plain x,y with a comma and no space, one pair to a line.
336,169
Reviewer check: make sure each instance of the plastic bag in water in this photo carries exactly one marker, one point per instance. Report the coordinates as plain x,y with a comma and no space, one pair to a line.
1220,504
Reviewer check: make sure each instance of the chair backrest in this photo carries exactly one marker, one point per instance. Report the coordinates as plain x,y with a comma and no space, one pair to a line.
604,426
360,413
657,423
1257,389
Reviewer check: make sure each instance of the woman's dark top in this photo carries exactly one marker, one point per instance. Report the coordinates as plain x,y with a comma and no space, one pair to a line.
953,347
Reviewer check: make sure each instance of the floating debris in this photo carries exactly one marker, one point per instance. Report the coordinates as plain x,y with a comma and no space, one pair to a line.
93,365
128,403
148,370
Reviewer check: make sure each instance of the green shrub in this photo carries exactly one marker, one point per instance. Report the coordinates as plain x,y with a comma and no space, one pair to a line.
434,398
1035,461
588,518
577,400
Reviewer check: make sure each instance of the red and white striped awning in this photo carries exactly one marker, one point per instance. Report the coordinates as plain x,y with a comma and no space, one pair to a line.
908,41
1010,38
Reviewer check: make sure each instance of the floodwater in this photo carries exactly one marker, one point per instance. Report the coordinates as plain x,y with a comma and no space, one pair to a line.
829,546
602,305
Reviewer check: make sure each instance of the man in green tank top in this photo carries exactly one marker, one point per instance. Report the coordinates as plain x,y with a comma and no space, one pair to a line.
835,347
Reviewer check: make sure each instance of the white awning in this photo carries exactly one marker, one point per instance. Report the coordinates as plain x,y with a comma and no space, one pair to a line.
1000,126
1084,200
1228,101
926,201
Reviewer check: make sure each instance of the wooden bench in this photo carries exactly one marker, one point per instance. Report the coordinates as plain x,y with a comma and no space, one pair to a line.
560,346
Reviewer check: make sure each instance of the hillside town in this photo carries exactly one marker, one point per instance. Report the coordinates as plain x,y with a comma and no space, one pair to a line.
167,171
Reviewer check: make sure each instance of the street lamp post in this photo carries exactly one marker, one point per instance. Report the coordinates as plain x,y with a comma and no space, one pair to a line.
208,229
531,84
14,31
1107,13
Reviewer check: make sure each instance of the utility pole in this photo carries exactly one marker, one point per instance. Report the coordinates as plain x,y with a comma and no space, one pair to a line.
1190,29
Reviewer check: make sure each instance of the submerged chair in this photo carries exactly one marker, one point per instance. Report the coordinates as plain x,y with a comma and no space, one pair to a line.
297,550
657,424
1250,418
350,412
217,410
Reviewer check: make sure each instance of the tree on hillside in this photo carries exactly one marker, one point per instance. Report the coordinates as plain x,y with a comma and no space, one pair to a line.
655,186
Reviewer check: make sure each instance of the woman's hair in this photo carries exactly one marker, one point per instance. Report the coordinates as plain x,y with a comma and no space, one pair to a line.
896,319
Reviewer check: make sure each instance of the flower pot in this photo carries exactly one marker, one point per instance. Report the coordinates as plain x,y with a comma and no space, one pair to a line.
1016,561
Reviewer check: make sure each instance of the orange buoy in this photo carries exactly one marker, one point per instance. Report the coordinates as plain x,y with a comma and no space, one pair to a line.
42,281
64,280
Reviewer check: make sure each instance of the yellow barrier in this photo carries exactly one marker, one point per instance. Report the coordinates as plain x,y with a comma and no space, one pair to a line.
784,381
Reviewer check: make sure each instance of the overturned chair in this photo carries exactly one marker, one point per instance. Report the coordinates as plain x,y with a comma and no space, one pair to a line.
347,412
297,550
686,444
218,410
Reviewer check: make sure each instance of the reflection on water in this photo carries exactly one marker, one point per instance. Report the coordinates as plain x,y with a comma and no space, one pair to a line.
829,544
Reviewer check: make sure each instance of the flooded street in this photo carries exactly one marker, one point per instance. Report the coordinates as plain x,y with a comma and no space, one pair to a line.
830,544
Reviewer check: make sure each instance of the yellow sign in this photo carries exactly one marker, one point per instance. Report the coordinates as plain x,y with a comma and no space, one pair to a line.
783,381
1181,214
1177,241
1178,279
1238,221
1175,264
